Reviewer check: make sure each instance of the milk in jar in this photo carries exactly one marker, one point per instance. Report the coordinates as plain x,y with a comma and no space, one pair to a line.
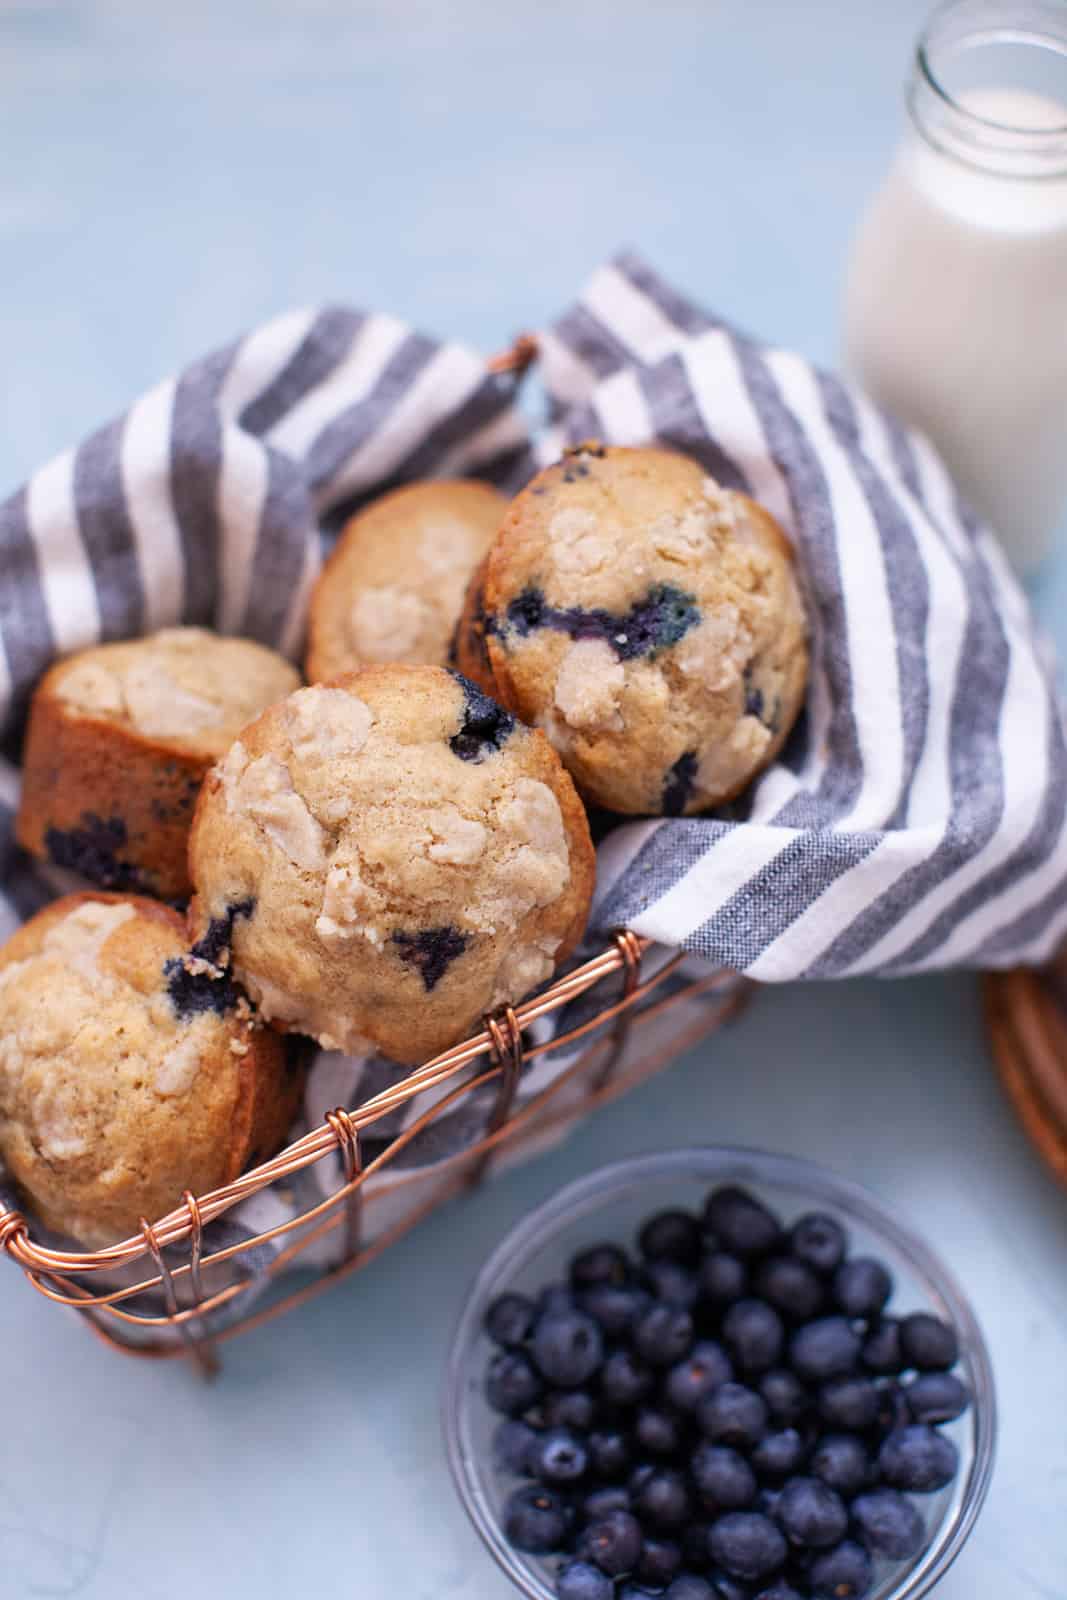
956,293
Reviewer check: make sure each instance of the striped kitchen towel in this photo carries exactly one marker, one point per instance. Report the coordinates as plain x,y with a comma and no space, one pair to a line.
918,816
915,819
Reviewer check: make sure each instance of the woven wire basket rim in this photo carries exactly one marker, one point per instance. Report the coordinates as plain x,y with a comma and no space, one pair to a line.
56,1273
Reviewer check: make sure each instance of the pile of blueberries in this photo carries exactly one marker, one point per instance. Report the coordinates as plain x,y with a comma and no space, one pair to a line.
730,1415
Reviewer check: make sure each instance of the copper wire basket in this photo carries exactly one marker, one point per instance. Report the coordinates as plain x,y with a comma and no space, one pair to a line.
188,1284
177,1295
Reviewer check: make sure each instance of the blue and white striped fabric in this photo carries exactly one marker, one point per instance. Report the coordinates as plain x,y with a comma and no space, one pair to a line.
918,816
210,501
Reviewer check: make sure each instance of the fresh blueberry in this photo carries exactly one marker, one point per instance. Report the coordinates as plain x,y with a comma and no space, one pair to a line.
535,1519
841,1461
725,1587
741,1223
747,1545
659,1562
826,1348
567,1347
555,1297
752,1332
661,1498
694,1542
671,1236
841,1574
663,1334
610,1454
671,1282
599,1503
779,1590
767,1500
849,1403
509,1319
784,1395
615,1306
893,1410
658,1432
881,1349
819,1241
559,1458
613,1543
811,1514
936,1397
790,1286
629,1588
706,1366
513,1442
601,1263
722,1279
579,1580
862,1286
928,1343
723,1478
888,1524
568,1408
511,1385
688,1586
625,1381
733,1414
779,1454
917,1459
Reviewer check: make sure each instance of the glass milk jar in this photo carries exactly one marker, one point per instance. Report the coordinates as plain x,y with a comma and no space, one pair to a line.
956,294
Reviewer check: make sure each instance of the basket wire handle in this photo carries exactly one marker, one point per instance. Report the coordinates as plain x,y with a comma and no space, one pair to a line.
509,1054
199,1356
12,1223
196,1249
518,358
629,947
347,1135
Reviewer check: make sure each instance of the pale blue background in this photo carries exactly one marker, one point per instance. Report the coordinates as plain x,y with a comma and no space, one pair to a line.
172,173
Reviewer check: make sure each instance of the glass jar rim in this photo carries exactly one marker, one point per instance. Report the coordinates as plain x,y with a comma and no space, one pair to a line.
981,139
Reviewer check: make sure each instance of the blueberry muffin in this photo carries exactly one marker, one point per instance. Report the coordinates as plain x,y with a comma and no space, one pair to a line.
126,1073
649,621
395,855
119,739
393,588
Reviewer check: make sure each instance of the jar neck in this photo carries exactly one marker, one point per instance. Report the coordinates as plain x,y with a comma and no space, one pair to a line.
989,86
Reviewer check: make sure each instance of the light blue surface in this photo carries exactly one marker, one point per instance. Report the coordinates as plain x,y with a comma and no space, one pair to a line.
170,174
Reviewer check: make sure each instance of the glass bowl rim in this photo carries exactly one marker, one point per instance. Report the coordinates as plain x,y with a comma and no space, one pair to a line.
536,1228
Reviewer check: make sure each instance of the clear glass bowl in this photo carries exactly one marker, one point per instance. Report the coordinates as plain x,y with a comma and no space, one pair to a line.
610,1204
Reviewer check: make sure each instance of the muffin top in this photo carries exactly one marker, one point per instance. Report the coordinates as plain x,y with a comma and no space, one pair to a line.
186,688
123,1070
403,856
393,588
649,621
